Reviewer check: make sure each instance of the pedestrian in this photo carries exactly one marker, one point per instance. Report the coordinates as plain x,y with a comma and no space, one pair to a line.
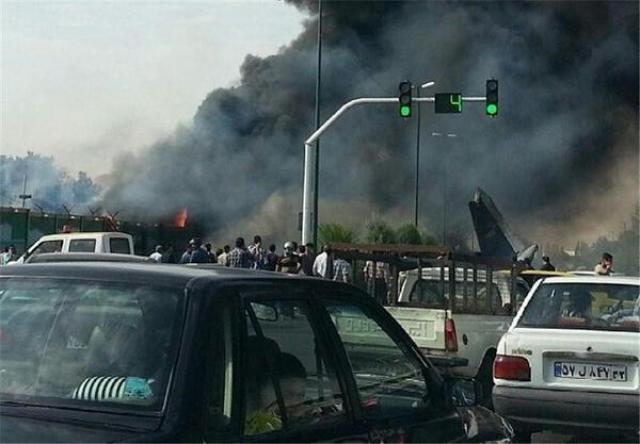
376,275
5,257
198,254
157,253
186,256
547,266
223,256
307,258
240,257
290,262
257,252
341,270
603,267
271,261
323,264
213,258
169,255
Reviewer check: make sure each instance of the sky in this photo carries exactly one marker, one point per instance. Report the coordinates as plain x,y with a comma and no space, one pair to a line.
85,81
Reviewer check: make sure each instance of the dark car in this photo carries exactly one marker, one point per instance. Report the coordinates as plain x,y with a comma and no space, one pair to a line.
96,352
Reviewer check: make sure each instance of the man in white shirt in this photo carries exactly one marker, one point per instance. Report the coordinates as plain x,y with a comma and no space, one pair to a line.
157,254
320,268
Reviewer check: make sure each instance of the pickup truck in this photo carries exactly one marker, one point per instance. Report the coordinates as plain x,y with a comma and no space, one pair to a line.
459,333
97,242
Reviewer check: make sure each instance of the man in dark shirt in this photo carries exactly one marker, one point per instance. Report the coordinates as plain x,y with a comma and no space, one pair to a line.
240,257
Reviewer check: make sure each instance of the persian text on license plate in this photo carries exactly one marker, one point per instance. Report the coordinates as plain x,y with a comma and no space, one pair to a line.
581,370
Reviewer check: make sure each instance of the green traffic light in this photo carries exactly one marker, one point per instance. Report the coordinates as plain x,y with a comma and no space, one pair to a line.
405,111
492,109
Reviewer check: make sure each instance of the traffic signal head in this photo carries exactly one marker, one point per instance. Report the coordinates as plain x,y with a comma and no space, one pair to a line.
404,99
492,98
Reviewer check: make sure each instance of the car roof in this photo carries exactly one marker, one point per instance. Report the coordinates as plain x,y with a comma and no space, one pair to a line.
624,280
85,234
161,274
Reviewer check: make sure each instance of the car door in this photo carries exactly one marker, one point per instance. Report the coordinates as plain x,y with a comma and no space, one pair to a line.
287,388
394,391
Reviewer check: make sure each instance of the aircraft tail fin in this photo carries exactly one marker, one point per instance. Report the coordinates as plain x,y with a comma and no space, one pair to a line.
495,237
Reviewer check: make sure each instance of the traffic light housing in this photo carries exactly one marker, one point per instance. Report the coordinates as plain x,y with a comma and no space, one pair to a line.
491,105
404,99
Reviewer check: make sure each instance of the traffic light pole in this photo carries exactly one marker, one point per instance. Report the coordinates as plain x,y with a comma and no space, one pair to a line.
309,200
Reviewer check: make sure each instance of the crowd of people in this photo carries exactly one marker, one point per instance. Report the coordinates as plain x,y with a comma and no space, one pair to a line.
294,259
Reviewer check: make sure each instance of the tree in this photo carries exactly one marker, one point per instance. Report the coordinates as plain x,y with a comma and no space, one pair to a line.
379,232
408,234
334,233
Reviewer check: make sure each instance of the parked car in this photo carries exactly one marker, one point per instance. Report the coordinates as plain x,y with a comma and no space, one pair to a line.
105,351
569,361
81,242
459,333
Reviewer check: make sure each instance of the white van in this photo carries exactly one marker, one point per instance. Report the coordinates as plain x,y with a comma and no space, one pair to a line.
99,242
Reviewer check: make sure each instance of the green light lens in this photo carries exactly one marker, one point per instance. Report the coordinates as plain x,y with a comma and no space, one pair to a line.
492,109
405,111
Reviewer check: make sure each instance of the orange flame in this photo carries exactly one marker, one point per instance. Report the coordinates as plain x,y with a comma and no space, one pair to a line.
180,220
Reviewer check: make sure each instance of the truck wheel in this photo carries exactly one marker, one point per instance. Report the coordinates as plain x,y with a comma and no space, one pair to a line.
485,377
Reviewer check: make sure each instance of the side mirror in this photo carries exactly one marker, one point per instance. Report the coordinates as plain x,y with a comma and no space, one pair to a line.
464,392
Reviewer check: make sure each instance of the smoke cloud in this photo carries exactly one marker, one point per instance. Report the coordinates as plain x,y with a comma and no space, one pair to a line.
560,160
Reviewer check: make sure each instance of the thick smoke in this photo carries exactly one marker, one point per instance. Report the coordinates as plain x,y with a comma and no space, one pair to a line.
50,188
561,159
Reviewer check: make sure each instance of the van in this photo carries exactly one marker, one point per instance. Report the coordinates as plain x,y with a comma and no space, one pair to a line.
98,242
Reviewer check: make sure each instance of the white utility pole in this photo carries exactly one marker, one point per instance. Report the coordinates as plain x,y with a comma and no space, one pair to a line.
308,201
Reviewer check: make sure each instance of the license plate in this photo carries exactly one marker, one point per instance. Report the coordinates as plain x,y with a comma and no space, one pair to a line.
582,370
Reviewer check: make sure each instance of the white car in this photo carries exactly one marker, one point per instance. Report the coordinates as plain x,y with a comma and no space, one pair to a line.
569,361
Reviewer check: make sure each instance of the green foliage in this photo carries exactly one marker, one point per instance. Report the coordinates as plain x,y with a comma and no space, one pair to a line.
379,232
408,234
332,233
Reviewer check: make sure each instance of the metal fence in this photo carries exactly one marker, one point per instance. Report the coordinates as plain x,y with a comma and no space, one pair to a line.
21,227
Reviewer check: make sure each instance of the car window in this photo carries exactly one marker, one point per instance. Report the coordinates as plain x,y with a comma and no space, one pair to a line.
583,305
389,379
82,246
66,341
48,247
287,370
119,245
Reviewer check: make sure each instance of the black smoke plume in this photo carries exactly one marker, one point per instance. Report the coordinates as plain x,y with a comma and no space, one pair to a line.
561,159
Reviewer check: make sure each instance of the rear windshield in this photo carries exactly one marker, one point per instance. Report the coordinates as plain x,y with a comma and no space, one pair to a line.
82,246
590,306
65,341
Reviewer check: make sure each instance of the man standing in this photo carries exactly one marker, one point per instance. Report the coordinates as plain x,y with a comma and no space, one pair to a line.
198,255
290,262
547,266
307,259
323,264
257,252
157,254
239,257
213,259
271,259
223,257
603,268
377,276
341,270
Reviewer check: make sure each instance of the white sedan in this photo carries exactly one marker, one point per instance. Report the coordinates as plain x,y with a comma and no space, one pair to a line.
569,361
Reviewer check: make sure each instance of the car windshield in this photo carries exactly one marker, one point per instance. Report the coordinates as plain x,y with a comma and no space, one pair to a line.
81,341
584,306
